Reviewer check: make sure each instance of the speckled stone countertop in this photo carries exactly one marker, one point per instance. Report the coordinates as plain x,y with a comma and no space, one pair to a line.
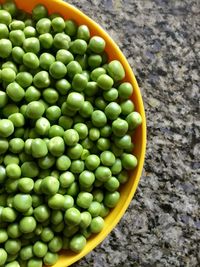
161,40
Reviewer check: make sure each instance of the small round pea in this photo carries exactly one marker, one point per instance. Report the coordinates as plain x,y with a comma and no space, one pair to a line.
4,32
105,82
27,224
8,215
98,118
94,134
78,46
15,91
94,208
5,48
38,148
103,174
25,185
66,179
46,59
97,224
81,129
17,54
61,41
53,113
65,122
55,244
77,243
29,169
111,199
22,202
11,159
70,27
16,145
97,44
63,163
13,171
43,25
83,33
84,200
40,249
112,184
56,202
3,145
71,137
86,178
75,100
125,90
98,195
119,127
58,70
2,174
5,17
47,234
39,12
91,89
129,161
112,110
41,213
14,231
29,31
110,95
134,119
32,45
42,126
13,246
58,24
42,79
6,127
30,60
50,96
64,56
3,99
50,258
79,82
17,119
46,40
94,61
123,142
35,110
63,86
100,103
56,146
8,75
3,256
92,162
127,107
56,130
86,110
17,37
116,70
26,252
46,162
73,68
107,158
50,185
34,262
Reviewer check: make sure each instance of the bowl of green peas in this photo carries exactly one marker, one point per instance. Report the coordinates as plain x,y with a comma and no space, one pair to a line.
72,134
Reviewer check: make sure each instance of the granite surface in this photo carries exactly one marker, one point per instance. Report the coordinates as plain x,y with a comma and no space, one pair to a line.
161,39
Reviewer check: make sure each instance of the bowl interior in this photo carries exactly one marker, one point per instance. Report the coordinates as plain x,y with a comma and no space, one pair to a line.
127,190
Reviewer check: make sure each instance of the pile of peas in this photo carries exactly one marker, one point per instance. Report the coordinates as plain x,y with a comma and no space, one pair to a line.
66,123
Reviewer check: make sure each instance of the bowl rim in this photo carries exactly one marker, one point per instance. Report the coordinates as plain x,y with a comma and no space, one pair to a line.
62,6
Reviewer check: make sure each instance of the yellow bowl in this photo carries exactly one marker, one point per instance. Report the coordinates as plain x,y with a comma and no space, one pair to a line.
127,190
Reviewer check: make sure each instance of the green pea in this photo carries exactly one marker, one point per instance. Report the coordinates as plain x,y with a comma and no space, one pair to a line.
97,44
78,46
83,61
26,252
8,75
79,82
15,92
38,13
29,169
94,134
61,41
42,126
110,95
17,37
3,256
94,208
11,159
63,163
50,95
86,110
116,70
73,68
41,213
46,60
13,171
75,100
82,130
97,224
63,86
86,178
134,119
24,79
2,174
50,258
64,56
56,130
46,40
6,127
77,243
94,61
111,199
129,161
35,110
29,31
3,99
39,148
58,70
42,79
91,89
58,24
70,27
47,234
5,17
10,6
25,185
107,158
9,64
32,45
13,246
14,231
40,249
127,107
125,90
96,73
83,33
8,215
105,82
22,202
43,25
100,103
56,202
56,146
34,262
98,118
50,185
66,179
117,167
16,145
72,216
84,200
13,263
112,184
4,32
30,60
65,122
119,127
98,195
27,224
103,173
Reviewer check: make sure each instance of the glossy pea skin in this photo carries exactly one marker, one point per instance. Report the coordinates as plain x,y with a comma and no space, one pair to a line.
64,56
29,31
30,60
3,256
46,40
58,24
43,25
50,258
27,224
55,244
61,41
13,246
58,70
77,243
8,75
46,59
6,128
15,92
4,32
78,46
97,44
83,33
35,110
116,70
